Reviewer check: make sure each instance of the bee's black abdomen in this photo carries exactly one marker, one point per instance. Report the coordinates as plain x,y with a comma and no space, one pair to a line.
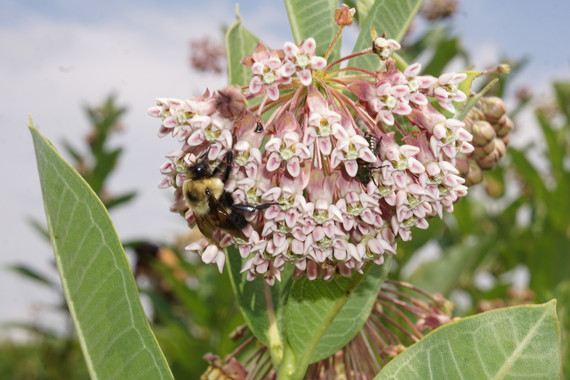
238,219
226,199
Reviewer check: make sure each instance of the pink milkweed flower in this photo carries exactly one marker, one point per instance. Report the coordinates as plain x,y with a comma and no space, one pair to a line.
266,68
391,99
286,147
323,123
209,253
350,147
418,85
302,60
451,137
446,91
339,181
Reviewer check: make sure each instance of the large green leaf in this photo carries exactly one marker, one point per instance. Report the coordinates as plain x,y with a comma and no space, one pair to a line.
362,9
392,17
315,19
101,293
512,343
263,312
240,42
323,316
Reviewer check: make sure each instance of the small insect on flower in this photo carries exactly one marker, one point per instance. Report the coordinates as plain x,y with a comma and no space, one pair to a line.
364,173
212,205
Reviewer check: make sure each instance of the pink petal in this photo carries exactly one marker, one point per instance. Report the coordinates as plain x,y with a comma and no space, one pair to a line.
155,111
426,81
418,98
402,108
293,167
415,166
255,85
209,254
413,70
409,150
318,63
447,106
279,239
466,148
351,167
170,122
291,218
325,146
273,63
400,179
439,131
309,45
273,144
196,138
220,261
386,117
273,91
258,68
305,76
400,90
441,93
340,254
290,49
367,155
312,270
288,69
464,135
393,44
273,162
459,96
272,212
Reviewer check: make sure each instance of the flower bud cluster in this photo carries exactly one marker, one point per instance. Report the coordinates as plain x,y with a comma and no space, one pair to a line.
341,180
490,126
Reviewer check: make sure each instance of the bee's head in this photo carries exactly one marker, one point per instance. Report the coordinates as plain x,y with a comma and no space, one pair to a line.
200,169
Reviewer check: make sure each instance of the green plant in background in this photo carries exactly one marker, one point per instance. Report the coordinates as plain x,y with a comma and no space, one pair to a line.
95,166
182,319
299,321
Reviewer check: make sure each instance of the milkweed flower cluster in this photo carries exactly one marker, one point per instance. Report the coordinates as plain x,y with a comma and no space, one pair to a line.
348,161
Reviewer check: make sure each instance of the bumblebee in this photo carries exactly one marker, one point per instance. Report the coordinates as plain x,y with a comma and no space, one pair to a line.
212,205
364,173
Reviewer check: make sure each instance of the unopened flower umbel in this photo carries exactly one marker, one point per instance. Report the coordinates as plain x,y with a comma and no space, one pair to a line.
327,170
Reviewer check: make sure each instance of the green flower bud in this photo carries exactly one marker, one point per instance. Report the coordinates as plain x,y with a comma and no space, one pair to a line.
475,175
505,128
482,132
493,108
489,161
500,147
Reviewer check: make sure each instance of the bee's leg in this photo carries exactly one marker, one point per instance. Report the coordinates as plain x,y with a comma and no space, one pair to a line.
227,164
244,207
376,168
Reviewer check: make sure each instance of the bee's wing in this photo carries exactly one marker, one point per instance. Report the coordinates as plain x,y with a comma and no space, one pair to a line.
218,217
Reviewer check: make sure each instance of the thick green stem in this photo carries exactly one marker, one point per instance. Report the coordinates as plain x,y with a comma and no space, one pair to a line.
289,369
275,343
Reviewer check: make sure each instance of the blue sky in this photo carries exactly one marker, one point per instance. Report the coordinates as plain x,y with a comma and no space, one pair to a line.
59,55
